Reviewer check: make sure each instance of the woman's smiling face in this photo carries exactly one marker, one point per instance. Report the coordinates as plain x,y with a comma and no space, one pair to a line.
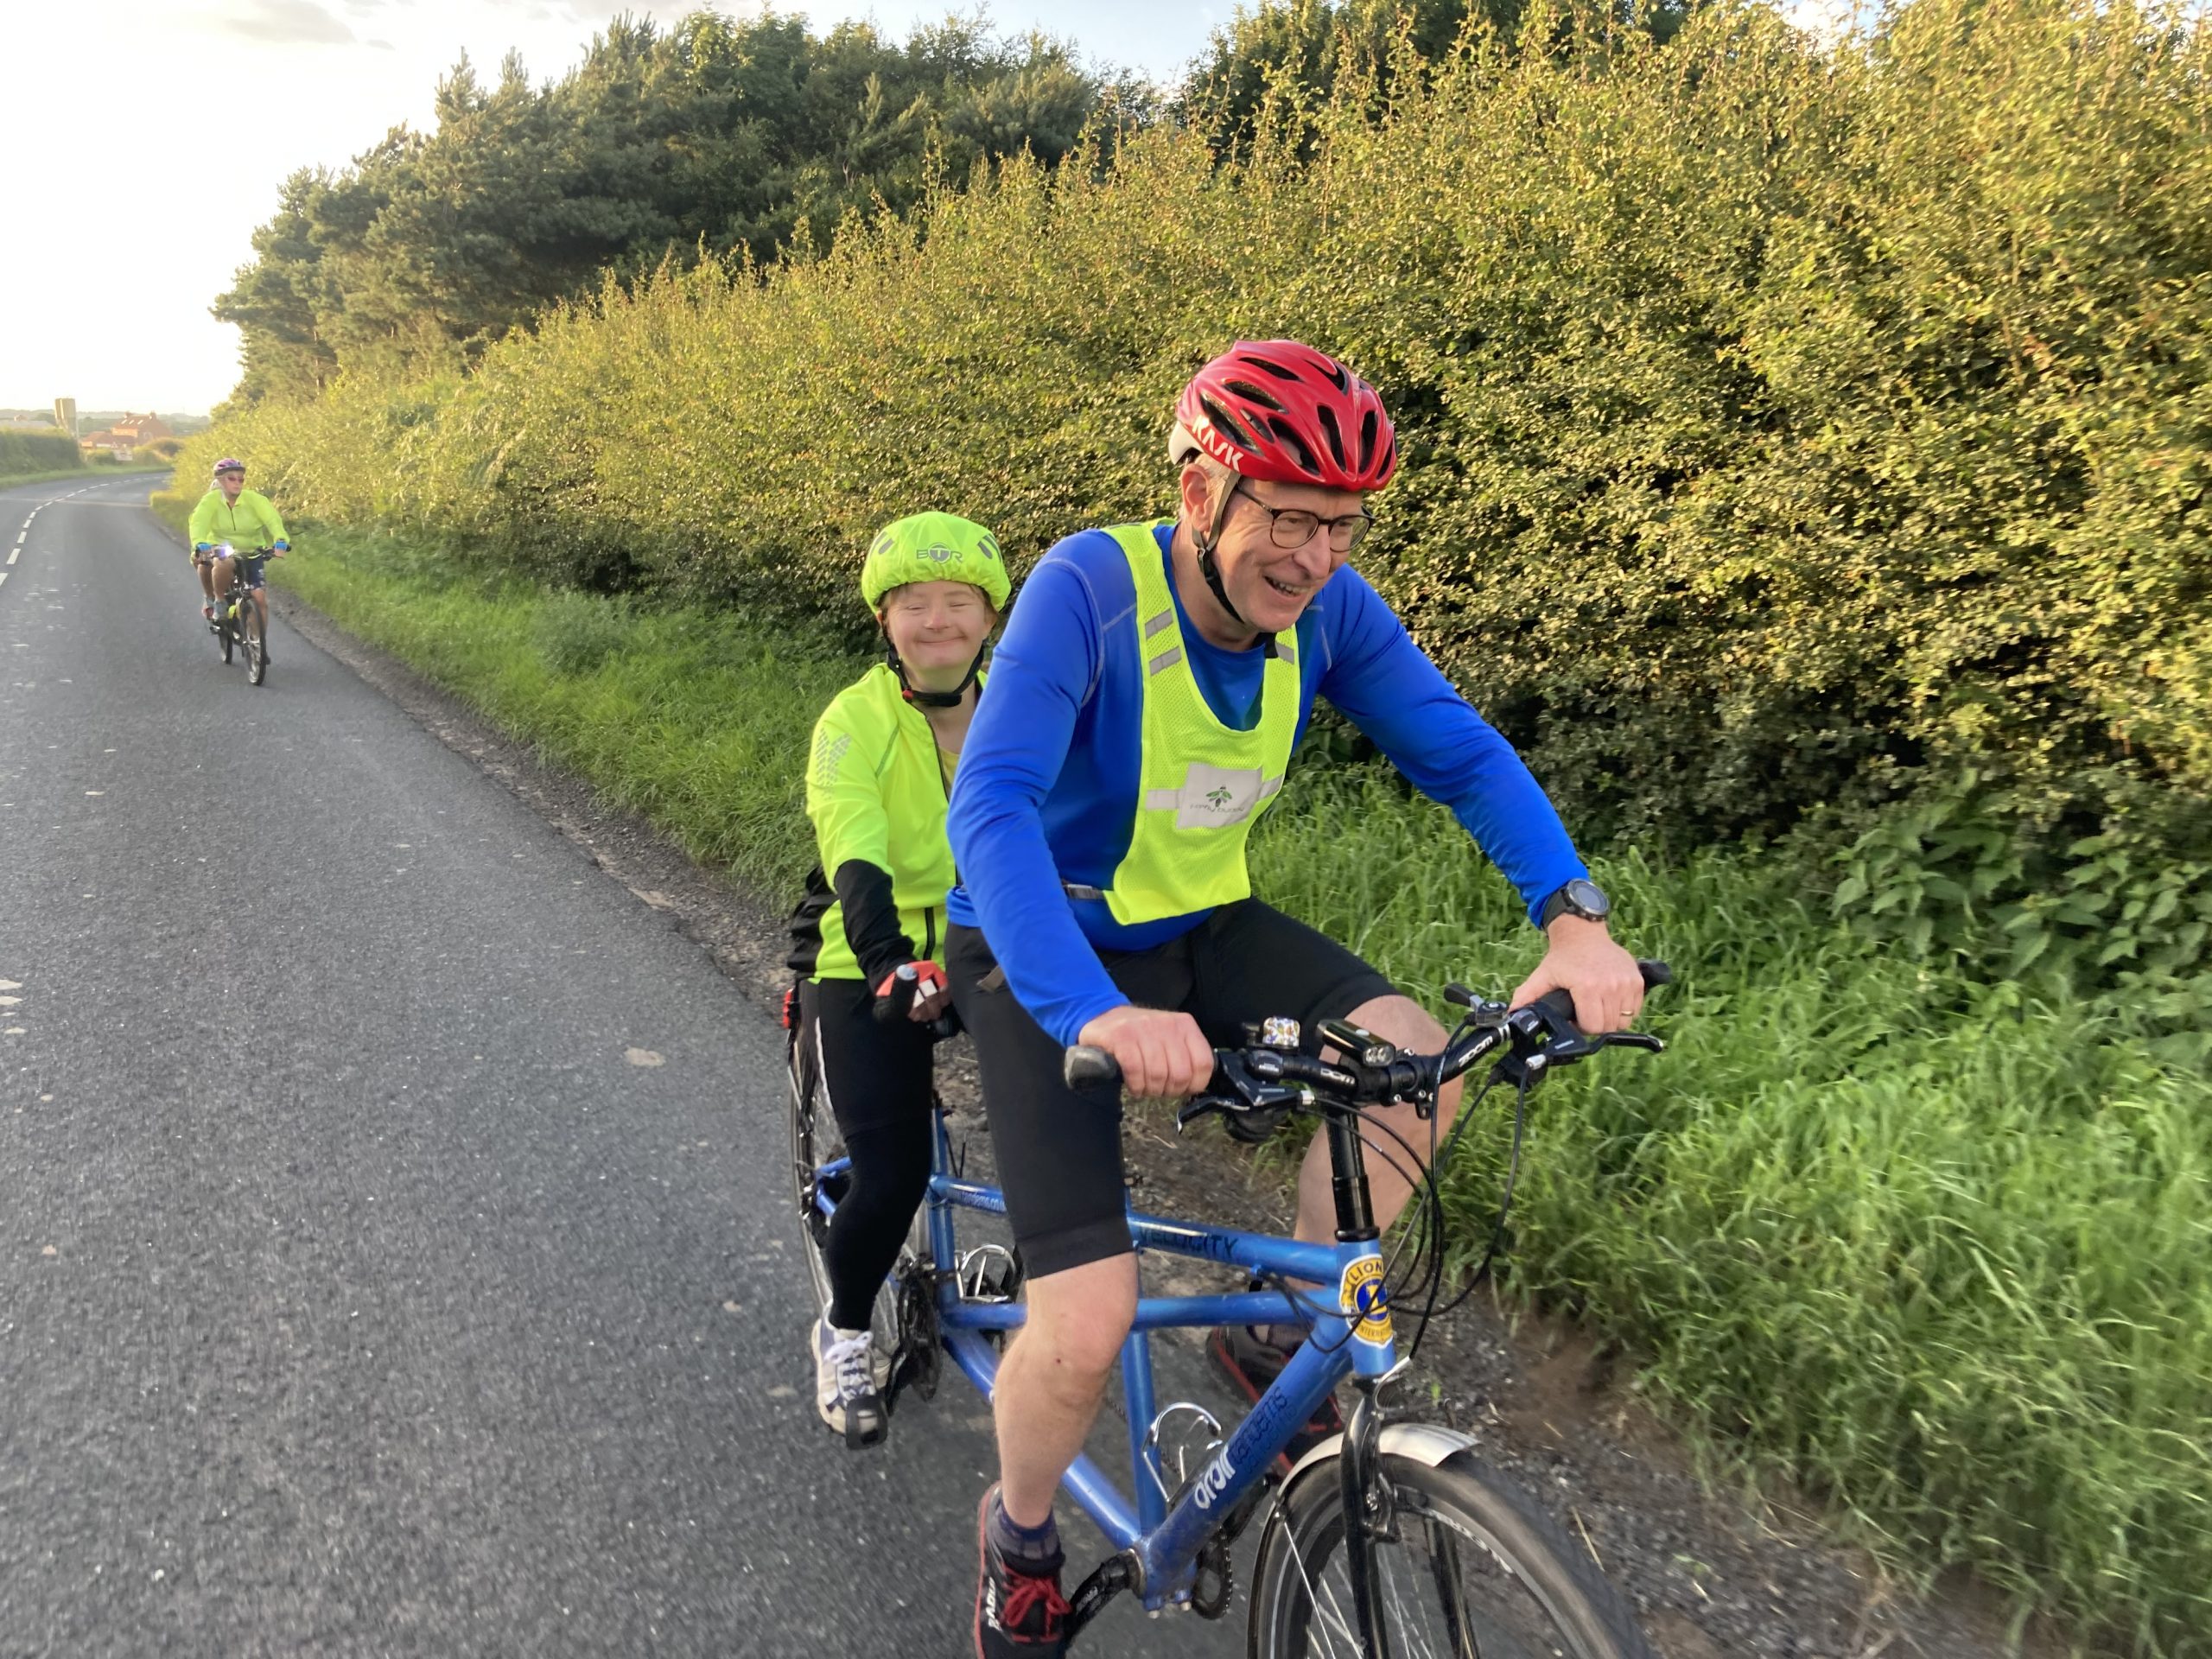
936,628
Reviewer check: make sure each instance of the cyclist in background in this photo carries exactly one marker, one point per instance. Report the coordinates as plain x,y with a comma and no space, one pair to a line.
1152,685
232,516
868,931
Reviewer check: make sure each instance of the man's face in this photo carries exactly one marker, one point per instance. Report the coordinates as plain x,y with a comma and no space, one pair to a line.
1271,585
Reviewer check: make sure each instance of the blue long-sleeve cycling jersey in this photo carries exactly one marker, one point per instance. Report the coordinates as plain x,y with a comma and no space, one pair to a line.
1048,782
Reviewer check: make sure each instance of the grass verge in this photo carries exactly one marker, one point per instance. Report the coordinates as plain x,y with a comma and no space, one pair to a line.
1923,1244
8,480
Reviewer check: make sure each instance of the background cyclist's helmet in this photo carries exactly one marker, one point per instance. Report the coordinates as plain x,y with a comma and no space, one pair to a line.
1279,410
935,547
229,464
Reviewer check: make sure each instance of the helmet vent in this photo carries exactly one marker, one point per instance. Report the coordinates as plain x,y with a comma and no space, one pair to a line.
1367,424
1229,426
1268,366
1330,431
1290,435
1259,395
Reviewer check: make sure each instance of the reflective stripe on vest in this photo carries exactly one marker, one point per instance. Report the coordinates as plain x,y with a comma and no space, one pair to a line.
1202,785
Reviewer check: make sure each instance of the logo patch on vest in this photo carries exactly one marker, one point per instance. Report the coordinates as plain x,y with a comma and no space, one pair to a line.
1211,798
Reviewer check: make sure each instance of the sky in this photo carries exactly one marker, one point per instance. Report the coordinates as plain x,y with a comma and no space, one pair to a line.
147,139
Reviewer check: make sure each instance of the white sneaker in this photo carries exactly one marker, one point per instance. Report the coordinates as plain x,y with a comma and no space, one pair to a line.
845,1383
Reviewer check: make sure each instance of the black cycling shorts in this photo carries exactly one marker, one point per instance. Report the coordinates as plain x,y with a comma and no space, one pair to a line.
246,569
1059,1150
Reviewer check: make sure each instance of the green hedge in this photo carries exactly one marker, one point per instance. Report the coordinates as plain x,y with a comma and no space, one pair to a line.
37,451
1779,424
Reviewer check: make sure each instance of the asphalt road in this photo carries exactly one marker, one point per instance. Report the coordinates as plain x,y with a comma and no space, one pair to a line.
391,1252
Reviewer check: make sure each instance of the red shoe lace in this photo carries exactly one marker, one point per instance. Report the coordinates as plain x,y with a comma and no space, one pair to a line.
1024,1592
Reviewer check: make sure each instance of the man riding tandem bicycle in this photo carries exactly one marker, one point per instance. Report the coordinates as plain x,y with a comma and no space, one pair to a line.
1152,684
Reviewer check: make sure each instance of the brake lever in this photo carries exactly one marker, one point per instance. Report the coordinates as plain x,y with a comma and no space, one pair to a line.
1197,1107
1527,1064
1263,1098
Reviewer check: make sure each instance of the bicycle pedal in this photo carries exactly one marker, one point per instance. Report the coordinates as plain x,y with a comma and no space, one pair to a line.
859,1435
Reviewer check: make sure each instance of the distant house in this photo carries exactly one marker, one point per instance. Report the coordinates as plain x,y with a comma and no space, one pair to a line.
127,433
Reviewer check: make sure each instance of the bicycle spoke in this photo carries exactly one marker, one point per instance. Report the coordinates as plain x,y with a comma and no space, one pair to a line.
1313,1599
1389,1569
1444,1592
1444,1565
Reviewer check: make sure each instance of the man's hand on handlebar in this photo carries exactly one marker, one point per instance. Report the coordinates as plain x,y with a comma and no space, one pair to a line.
1585,963
1162,1056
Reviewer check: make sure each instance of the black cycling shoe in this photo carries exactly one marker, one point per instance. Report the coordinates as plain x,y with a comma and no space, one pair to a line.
1018,1615
1252,1362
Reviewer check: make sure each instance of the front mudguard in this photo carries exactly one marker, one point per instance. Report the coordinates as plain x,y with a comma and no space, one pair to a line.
1423,1442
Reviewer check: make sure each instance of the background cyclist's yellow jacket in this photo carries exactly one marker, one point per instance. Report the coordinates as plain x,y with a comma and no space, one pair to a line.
876,789
250,524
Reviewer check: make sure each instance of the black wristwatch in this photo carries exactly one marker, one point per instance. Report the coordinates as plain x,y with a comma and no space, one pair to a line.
1578,898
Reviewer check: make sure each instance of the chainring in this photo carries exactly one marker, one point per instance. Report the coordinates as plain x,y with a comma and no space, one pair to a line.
916,1359
1213,1583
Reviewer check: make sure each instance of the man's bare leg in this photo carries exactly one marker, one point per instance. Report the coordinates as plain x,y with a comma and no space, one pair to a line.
1054,1376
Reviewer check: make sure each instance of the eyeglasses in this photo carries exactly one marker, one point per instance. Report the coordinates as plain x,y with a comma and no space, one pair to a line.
1295,526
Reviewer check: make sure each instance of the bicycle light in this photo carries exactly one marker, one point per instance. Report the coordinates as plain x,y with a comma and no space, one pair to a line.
1357,1043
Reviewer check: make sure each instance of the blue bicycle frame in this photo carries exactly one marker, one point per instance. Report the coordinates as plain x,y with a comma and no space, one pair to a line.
1162,1542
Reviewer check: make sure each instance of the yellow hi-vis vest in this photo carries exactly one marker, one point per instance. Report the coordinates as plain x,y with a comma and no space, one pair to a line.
1202,785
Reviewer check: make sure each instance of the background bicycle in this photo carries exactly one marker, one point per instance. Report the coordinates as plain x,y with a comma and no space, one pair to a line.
241,620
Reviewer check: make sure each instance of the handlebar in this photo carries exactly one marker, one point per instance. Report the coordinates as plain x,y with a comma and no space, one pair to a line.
1264,1077
894,1004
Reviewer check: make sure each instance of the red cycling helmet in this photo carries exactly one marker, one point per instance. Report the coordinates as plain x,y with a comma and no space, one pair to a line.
228,464
1278,409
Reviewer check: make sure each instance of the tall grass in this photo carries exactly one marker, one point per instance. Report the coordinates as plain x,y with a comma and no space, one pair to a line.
1938,1250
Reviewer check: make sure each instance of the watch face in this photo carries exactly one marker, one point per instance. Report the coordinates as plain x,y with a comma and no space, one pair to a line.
1587,898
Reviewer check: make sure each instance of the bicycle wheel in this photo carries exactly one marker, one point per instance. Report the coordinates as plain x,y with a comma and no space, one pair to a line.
257,645
1470,1568
225,632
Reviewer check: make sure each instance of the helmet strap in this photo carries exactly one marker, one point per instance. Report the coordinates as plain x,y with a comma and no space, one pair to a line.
915,694
1209,567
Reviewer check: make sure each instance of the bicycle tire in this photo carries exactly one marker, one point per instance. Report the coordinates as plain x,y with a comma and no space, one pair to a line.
1522,1590
257,647
223,630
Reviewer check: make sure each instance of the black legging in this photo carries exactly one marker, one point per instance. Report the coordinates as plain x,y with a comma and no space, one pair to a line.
891,1172
877,1078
